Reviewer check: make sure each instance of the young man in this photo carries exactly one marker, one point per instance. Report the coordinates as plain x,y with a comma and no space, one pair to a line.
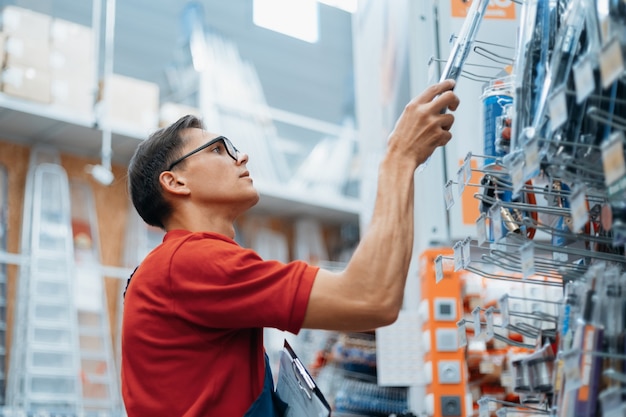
195,309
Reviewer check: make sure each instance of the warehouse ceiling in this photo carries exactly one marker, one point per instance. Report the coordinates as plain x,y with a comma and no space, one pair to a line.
314,80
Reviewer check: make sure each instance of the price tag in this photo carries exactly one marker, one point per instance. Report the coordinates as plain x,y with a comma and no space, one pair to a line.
478,328
558,110
460,180
483,407
489,319
495,221
584,80
572,370
458,256
462,333
467,167
432,69
448,195
438,269
517,173
481,229
466,252
611,399
531,163
611,63
527,255
560,256
578,208
613,158
504,310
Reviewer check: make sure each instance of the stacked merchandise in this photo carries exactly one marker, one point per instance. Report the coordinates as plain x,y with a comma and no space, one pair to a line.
52,61
553,203
48,60
354,391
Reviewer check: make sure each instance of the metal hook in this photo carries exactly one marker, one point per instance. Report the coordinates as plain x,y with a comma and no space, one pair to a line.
486,53
605,117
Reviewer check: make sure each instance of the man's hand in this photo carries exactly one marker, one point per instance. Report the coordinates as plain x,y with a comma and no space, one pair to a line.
424,124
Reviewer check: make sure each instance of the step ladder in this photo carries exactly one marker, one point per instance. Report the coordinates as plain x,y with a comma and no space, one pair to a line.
4,184
99,376
43,376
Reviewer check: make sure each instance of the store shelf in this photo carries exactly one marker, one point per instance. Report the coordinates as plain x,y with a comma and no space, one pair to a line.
30,123
277,199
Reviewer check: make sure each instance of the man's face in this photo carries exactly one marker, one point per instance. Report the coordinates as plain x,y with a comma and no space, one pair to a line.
215,175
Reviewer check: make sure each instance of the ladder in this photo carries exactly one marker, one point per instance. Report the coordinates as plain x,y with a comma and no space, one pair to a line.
3,280
100,388
43,375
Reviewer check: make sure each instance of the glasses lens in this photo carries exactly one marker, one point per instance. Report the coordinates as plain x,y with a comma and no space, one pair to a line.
230,148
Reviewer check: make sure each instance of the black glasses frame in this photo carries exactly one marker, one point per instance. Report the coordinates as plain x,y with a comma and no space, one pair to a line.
228,145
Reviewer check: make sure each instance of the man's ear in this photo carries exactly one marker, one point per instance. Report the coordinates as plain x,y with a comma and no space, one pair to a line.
173,183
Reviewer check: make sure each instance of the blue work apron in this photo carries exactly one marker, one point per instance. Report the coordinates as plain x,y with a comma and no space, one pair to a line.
267,403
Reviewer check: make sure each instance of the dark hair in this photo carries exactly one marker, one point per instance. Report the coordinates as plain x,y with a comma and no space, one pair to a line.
152,157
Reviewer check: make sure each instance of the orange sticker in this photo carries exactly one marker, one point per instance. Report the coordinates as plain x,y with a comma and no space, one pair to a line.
497,9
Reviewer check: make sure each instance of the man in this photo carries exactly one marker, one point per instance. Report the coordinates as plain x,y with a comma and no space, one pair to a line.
196,307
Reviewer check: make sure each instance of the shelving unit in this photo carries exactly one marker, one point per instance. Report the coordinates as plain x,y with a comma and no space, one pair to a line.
31,123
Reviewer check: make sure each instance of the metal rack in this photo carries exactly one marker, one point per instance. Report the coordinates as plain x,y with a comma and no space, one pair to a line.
552,198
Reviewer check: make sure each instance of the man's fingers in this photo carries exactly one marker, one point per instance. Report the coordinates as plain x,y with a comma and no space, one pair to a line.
436,89
447,100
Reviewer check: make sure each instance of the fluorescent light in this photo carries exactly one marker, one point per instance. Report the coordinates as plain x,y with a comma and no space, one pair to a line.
349,6
295,18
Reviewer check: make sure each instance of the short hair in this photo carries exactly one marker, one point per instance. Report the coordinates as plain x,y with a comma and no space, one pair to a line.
152,157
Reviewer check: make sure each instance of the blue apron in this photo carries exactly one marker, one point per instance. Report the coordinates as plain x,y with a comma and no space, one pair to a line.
267,403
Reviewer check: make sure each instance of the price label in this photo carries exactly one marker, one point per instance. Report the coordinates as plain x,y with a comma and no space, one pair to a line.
481,229
572,370
483,407
466,252
460,180
478,328
517,173
458,256
613,158
490,326
558,110
584,81
527,255
448,195
578,208
495,221
438,269
467,167
462,333
504,310
611,63
531,163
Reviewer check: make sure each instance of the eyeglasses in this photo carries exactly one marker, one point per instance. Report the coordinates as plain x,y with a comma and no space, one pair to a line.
230,150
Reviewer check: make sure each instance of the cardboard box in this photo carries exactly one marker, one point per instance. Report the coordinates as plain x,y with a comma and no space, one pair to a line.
131,104
64,66
25,23
72,39
73,96
72,52
27,83
22,51
171,112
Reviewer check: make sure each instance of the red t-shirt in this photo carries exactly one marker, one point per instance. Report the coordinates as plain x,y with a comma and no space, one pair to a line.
192,334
